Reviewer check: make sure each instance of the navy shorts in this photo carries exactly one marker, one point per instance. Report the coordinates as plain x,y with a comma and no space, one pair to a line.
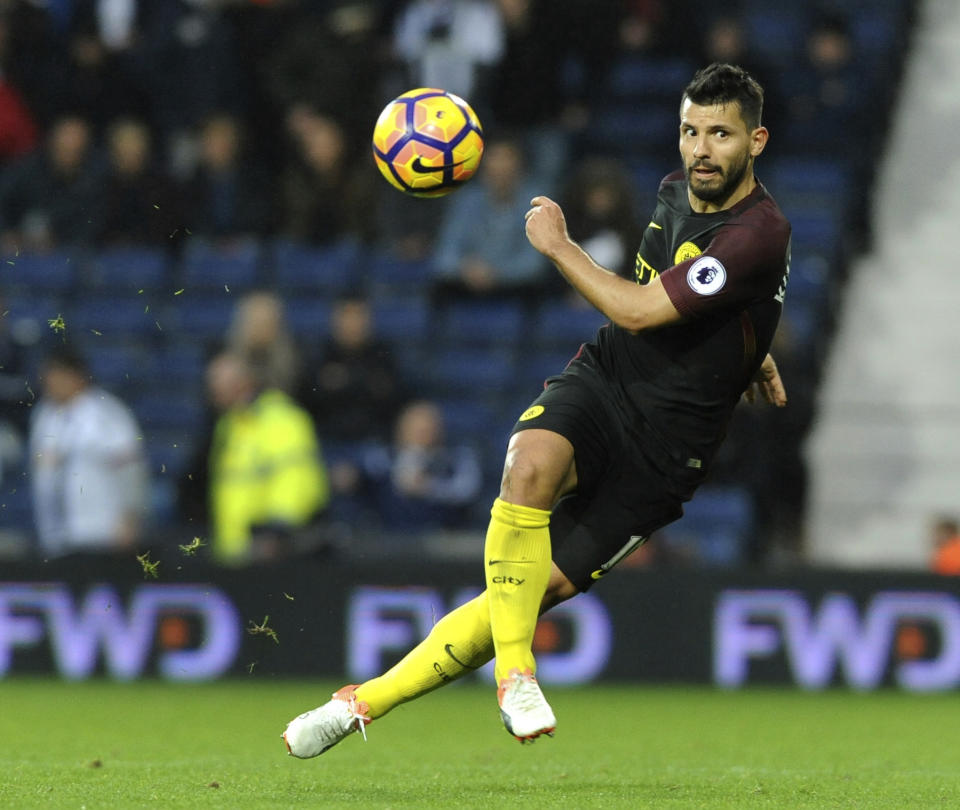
621,496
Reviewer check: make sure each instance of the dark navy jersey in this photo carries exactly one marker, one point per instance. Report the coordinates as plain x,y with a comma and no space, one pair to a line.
726,273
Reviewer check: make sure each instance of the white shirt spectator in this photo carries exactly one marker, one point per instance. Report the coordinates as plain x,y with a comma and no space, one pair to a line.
88,471
443,42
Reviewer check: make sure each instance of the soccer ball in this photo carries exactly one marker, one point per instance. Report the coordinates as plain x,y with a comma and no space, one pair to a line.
427,142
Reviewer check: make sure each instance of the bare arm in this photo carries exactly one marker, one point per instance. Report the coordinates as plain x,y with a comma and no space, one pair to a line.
632,306
768,384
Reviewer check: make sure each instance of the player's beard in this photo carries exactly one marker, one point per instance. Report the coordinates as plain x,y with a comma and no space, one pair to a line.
729,178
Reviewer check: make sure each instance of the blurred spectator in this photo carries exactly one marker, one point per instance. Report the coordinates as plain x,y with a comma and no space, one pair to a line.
331,59
452,44
824,94
88,470
188,60
51,198
601,214
18,129
421,481
99,74
481,250
14,391
656,27
228,194
556,57
353,389
140,205
946,546
259,329
725,41
267,479
325,197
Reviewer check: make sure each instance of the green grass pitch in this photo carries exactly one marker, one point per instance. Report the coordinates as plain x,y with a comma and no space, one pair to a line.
150,744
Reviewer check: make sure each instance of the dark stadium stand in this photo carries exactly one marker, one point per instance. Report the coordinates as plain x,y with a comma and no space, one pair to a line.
481,360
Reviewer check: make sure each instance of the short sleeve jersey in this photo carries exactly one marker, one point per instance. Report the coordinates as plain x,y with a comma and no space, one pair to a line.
726,273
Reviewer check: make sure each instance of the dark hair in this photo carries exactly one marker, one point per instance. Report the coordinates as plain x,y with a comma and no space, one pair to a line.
720,84
68,358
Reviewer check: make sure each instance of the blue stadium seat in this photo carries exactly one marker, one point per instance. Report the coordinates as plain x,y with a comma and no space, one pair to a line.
131,268
169,451
203,317
181,364
537,366
308,317
468,420
804,174
167,410
563,327
389,273
483,323
716,525
118,365
638,78
477,371
49,273
775,33
115,316
328,270
233,266
402,320
16,505
629,130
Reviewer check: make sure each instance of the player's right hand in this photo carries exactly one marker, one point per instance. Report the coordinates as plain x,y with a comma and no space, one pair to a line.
546,226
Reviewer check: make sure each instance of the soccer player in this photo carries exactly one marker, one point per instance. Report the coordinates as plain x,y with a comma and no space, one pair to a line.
615,444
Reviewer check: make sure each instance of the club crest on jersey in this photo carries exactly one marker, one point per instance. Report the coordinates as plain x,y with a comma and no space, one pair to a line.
707,275
687,250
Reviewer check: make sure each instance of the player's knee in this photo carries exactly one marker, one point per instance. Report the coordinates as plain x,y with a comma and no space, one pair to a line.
559,589
536,471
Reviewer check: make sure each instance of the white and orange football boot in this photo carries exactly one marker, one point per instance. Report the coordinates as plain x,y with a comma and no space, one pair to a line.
524,709
313,732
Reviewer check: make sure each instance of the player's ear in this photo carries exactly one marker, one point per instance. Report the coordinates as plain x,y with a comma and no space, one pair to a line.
758,140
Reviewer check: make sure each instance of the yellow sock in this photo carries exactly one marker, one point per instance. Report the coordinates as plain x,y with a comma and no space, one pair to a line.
517,556
459,643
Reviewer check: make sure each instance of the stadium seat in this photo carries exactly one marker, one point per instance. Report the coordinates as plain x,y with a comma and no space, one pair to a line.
320,270
204,317
118,366
635,78
115,317
488,323
308,317
478,371
167,411
387,273
467,419
775,34
804,174
716,525
134,268
234,266
628,129
50,273
182,364
562,327
402,320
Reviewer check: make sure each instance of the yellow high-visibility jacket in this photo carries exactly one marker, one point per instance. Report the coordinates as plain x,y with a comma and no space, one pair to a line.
265,467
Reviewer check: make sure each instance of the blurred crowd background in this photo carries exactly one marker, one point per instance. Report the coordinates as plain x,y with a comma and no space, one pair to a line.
220,319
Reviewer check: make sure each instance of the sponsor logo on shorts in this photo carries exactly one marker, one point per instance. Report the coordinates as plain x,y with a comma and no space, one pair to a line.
707,275
531,413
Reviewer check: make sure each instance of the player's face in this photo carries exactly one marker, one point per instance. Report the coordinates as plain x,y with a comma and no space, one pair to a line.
717,150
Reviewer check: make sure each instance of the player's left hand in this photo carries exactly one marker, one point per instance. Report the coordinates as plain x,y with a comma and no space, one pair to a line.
546,226
768,384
